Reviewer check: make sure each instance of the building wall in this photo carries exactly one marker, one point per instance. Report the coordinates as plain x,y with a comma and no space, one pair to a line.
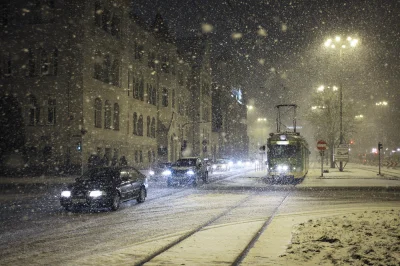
96,63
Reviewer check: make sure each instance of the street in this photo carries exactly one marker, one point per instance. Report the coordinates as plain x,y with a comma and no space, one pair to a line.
223,222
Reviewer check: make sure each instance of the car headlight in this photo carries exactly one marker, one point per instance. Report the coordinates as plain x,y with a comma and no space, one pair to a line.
167,172
96,193
190,172
66,194
214,166
282,167
151,172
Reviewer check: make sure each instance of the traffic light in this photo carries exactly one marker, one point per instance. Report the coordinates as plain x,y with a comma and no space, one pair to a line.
379,146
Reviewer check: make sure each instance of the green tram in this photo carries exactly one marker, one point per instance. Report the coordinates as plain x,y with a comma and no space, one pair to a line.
287,156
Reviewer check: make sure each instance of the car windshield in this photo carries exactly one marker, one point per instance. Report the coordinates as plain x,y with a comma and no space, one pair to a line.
185,162
261,132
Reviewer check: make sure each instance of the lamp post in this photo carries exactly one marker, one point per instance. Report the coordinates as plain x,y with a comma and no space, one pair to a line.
182,128
339,44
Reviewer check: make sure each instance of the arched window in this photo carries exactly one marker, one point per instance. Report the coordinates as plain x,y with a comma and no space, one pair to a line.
34,111
148,133
135,124
116,117
140,126
97,112
107,115
153,127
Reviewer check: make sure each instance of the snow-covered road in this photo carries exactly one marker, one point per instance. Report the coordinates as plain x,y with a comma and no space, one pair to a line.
208,225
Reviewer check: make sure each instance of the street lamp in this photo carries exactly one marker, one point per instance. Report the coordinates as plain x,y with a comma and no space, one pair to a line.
339,44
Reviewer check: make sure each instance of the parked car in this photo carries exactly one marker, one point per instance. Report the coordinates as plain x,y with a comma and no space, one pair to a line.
105,187
188,170
221,165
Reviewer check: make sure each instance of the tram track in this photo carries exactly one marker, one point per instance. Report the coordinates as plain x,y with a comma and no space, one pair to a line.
242,255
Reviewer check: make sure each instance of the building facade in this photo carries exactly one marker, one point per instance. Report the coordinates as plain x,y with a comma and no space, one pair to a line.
89,78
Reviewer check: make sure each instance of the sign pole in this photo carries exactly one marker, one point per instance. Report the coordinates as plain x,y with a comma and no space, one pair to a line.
321,146
322,163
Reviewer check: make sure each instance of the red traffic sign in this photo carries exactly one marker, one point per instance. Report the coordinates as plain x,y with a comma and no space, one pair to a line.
321,145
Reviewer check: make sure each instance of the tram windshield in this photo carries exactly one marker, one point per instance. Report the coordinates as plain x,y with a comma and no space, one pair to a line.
282,151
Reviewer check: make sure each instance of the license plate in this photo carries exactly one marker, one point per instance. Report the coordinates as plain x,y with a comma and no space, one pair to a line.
78,200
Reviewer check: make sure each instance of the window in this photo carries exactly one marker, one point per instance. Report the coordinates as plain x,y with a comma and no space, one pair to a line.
97,14
148,127
149,156
34,111
136,156
138,51
107,68
51,111
115,26
6,65
152,60
107,115
135,124
4,15
153,127
151,94
97,113
32,63
141,89
180,78
98,65
55,62
44,63
141,156
116,117
114,75
164,97
165,64
140,126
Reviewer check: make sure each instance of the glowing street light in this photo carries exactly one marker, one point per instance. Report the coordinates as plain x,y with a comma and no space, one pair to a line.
342,45
384,103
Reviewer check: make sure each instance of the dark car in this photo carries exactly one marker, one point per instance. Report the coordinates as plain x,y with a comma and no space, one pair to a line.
105,187
187,170
156,170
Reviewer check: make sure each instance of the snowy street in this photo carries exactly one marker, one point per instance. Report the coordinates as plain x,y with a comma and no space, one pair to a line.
213,224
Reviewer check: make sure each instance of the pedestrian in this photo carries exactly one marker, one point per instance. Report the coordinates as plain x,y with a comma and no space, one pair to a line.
114,160
105,161
94,160
123,161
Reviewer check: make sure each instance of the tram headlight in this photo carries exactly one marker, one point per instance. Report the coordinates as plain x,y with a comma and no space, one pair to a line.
282,168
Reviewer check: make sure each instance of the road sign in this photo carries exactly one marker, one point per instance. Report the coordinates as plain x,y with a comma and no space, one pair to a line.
342,153
321,145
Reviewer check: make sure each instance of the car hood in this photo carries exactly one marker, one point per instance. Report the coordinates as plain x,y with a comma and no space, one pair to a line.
90,185
182,168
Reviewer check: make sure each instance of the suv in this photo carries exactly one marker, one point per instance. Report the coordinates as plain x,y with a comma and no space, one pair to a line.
188,170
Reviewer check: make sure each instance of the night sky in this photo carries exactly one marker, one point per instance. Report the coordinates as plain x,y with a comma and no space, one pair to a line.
280,49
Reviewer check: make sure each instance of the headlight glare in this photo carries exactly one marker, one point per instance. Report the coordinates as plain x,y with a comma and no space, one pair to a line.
96,193
190,172
166,172
151,172
66,194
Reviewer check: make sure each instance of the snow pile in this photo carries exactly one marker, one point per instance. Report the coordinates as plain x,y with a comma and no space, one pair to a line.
366,238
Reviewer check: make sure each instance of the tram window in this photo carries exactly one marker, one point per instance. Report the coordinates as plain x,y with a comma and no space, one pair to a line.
280,151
